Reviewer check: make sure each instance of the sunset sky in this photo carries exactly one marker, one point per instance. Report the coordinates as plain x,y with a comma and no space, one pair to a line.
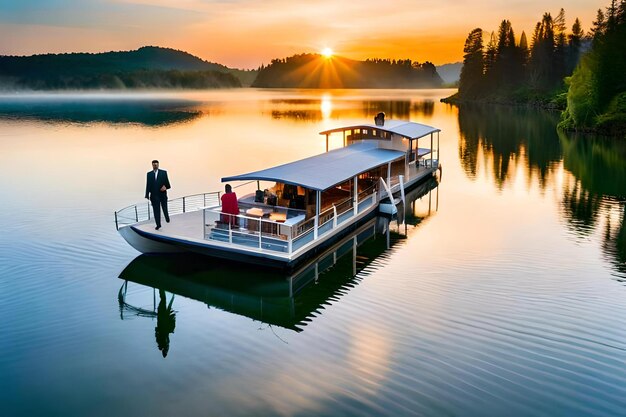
247,33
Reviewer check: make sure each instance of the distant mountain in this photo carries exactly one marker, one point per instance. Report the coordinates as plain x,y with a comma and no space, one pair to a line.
450,73
316,71
147,67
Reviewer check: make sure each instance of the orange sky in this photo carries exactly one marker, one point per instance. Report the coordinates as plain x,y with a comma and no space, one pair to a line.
246,33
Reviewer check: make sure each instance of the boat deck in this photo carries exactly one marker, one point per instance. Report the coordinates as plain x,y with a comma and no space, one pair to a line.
182,226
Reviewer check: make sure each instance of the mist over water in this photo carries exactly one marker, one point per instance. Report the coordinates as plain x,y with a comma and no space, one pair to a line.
501,294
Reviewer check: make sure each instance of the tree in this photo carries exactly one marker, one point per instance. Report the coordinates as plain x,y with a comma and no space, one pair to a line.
508,67
598,26
574,43
490,55
597,89
560,46
542,54
523,49
472,71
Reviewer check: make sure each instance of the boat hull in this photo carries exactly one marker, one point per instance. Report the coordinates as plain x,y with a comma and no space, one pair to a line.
146,243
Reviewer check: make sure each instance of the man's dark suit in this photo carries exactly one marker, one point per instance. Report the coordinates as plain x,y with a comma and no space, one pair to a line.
157,197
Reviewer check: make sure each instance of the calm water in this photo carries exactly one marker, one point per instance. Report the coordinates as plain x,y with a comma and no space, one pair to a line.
502,294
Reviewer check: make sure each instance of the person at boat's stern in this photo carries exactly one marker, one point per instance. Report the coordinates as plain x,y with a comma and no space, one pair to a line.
157,185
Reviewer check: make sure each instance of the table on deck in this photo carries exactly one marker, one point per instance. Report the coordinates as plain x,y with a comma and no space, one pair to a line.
274,223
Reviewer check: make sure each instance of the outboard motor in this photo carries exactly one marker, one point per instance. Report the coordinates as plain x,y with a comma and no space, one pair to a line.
379,120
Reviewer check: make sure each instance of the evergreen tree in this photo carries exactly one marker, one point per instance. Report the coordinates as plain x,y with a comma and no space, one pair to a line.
490,55
542,54
471,79
560,46
523,49
574,44
509,63
599,25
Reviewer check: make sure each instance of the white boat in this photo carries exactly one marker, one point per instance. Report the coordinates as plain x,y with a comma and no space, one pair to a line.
300,208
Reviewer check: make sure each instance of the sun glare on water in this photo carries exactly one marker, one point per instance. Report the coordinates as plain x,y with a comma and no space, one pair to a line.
327,52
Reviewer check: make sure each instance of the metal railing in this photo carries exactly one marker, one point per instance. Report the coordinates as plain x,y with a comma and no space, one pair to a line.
143,211
249,231
367,192
265,233
256,232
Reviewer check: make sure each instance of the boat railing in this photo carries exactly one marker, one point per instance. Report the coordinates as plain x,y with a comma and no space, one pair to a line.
278,235
250,231
367,192
143,211
336,210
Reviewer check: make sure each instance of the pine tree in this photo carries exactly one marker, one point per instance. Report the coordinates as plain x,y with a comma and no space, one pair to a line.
598,26
574,44
471,79
560,44
523,47
542,54
490,55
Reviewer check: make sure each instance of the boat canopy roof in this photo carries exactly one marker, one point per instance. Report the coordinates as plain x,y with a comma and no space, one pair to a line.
325,170
409,130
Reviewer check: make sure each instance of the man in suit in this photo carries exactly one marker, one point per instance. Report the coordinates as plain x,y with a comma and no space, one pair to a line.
157,185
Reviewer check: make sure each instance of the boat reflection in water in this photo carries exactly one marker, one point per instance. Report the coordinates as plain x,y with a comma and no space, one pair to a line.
266,295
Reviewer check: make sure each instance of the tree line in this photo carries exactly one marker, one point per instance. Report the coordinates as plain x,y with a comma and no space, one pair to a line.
141,79
583,74
147,67
506,65
315,71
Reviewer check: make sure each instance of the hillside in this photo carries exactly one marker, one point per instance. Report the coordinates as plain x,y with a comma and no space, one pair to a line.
147,67
316,71
450,73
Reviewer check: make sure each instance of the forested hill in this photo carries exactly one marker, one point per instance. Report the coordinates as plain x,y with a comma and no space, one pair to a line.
147,67
316,71
583,74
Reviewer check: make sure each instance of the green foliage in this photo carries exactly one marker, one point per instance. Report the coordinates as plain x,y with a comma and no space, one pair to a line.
581,98
147,67
596,98
613,121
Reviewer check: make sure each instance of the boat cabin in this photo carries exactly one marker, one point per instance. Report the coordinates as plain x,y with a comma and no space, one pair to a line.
296,203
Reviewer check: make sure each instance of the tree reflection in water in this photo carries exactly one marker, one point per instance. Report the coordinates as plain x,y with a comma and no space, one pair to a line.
311,110
593,197
501,135
598,195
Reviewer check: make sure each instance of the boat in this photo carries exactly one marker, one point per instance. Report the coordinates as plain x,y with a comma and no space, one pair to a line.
295,211
290,301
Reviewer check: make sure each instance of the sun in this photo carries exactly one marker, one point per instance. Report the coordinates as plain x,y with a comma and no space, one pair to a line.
327,52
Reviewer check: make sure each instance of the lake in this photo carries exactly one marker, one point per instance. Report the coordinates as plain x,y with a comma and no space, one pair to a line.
502,293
